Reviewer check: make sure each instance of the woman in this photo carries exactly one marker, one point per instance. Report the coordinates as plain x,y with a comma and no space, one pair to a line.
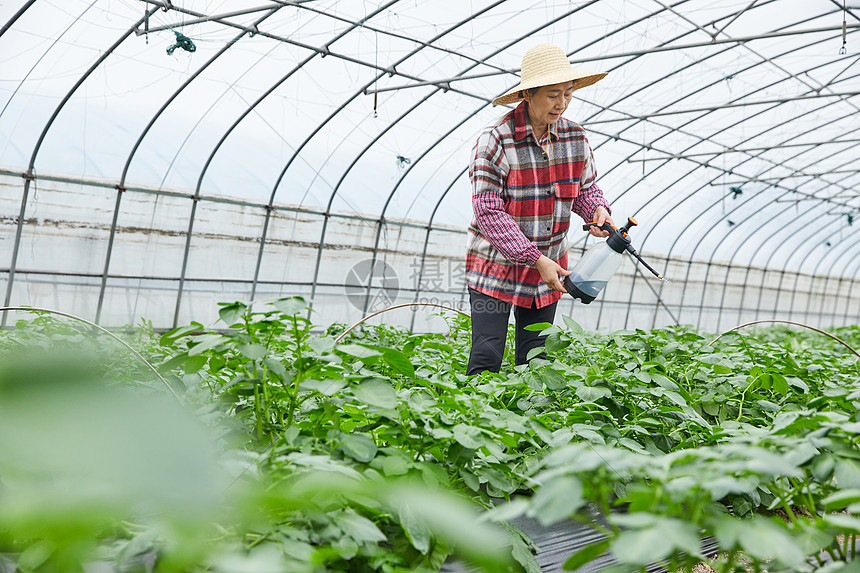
530,170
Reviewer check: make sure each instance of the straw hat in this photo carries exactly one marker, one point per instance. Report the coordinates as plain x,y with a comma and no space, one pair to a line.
545,65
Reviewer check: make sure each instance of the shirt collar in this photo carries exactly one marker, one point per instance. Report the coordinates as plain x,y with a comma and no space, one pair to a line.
522,127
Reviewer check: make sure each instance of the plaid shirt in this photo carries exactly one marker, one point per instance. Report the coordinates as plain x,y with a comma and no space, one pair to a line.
522,196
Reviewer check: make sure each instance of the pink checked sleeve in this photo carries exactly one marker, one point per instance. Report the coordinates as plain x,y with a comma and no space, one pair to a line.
590,197
487,173
587,201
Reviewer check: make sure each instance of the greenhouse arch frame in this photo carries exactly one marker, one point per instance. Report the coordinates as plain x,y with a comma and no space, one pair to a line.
159,157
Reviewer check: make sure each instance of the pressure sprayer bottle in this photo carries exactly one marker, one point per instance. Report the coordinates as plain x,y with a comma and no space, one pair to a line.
589,275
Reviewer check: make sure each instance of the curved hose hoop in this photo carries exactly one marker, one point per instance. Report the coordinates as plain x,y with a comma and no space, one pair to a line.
108,332
836,338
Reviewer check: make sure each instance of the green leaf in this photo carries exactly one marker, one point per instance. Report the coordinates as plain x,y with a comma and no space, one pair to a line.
328,386
571,324
555,342
253,351
741,506
592,393
359,447
841,499
438,346
643,377
499,480
728,532
822,466
469,436
538,326
470,479
658,537
780,384
675,398
522,553
394,466
847,523
415,528
586,555
357,350
764,539
376,392
34,556
399,362
540,430
633,445
358,527
553,379
168,338
194,363
641,546
230,313
322,344
557,500
534,352
206,342
664,381
635,520
847,473
812,539
801,453
290,305
507,511
275,366
432,474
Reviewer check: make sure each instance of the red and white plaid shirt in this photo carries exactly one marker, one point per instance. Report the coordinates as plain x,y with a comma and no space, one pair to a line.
523,192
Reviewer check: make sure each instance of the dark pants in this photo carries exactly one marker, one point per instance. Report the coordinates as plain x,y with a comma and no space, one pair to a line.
490,326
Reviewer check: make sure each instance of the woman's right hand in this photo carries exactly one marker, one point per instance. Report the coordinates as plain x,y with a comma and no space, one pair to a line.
549,271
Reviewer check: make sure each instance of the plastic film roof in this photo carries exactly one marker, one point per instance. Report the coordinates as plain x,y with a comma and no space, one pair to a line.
728,129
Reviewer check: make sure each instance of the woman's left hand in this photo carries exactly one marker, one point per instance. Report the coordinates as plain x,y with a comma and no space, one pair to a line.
600,216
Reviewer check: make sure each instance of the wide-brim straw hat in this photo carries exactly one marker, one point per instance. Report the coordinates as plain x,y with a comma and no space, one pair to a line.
545,65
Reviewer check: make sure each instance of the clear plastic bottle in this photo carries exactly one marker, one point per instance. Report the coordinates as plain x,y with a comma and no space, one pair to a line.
594,269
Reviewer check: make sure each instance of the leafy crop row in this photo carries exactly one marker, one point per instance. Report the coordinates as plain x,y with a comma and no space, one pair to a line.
371,454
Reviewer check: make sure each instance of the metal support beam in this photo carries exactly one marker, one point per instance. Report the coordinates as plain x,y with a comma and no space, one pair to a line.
266,94
31,166
794,175
324,51
216,18
133,152
736,16
725,106
739,150
364,150
653,50
9,23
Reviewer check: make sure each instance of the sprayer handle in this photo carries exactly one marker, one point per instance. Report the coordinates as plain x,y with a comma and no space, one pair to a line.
605,226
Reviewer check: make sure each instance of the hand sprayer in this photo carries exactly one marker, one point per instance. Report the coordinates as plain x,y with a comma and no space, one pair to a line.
589,275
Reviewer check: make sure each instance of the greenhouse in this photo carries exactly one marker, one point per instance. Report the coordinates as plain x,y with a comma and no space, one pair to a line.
262,224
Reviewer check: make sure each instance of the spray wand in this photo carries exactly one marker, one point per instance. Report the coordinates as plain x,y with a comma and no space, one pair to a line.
596,267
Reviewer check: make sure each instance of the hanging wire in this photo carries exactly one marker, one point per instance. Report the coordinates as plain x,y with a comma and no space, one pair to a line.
376,81
844,50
